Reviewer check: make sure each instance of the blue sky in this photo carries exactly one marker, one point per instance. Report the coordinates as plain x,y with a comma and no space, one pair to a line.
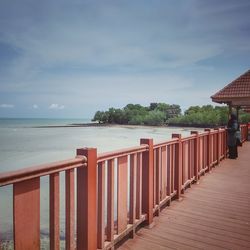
71,58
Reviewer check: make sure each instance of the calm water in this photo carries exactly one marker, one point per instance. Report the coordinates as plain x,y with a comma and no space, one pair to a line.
23,145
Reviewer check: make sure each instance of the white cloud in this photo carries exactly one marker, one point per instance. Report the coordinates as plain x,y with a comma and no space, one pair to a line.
157,39
56,106
4,105
97,54
140,39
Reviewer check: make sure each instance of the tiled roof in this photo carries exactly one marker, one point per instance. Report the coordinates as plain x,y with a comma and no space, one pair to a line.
238,88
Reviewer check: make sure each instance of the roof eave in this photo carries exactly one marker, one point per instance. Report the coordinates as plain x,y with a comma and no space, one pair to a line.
233,102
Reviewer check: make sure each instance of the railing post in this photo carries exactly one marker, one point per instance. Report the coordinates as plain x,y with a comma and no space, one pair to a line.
196,155
178,173
209,151
147,180
87,201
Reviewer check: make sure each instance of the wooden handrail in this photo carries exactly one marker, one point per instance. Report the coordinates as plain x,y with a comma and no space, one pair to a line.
119,153
165,143
41,170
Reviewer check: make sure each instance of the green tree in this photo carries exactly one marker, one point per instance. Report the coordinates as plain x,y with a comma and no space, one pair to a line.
153,105
244,118
97,117
206,115
174,110
154,118
163,107
133,110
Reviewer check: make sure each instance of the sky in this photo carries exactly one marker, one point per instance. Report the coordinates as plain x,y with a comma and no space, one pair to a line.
68,59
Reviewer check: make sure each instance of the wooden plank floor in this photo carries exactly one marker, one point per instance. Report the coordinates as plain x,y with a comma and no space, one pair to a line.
214,214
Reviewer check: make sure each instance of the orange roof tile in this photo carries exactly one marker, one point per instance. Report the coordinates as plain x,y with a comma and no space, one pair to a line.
239,88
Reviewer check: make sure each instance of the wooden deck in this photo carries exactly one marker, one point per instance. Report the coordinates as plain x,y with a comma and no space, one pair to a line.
214,214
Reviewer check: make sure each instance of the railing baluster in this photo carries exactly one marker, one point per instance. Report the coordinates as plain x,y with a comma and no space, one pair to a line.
218,141
185,162
225,143
211,140
157,178
138,185
26,214
164,172
70,209
172,166
154,181
201,154
54,212
169,173
205,151
192,158
219,146
216,147
132,195
122,177
189,159
110,199
208,149
101,201
182,163
199,160
196,155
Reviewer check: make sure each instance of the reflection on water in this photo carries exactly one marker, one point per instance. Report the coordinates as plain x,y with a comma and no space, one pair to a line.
22,145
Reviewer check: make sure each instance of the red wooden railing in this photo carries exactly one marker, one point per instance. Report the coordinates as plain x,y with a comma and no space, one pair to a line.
115,192
120,171
26,202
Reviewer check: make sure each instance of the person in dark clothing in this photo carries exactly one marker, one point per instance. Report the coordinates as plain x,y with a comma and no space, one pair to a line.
232,127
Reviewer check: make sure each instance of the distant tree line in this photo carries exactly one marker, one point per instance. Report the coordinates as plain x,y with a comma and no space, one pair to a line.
206,116
136,114
167,114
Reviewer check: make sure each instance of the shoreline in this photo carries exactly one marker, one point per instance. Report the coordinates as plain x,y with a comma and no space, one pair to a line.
82,125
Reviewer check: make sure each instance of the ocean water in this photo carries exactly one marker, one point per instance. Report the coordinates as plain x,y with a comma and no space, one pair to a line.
24,144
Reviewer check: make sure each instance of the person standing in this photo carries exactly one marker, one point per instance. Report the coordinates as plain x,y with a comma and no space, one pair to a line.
232,127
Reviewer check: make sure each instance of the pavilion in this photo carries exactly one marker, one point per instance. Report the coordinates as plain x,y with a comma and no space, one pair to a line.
236,94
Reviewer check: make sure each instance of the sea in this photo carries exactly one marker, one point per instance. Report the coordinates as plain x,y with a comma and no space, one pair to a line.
31,142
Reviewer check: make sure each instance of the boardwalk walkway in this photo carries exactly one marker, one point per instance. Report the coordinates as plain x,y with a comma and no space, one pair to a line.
215,214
